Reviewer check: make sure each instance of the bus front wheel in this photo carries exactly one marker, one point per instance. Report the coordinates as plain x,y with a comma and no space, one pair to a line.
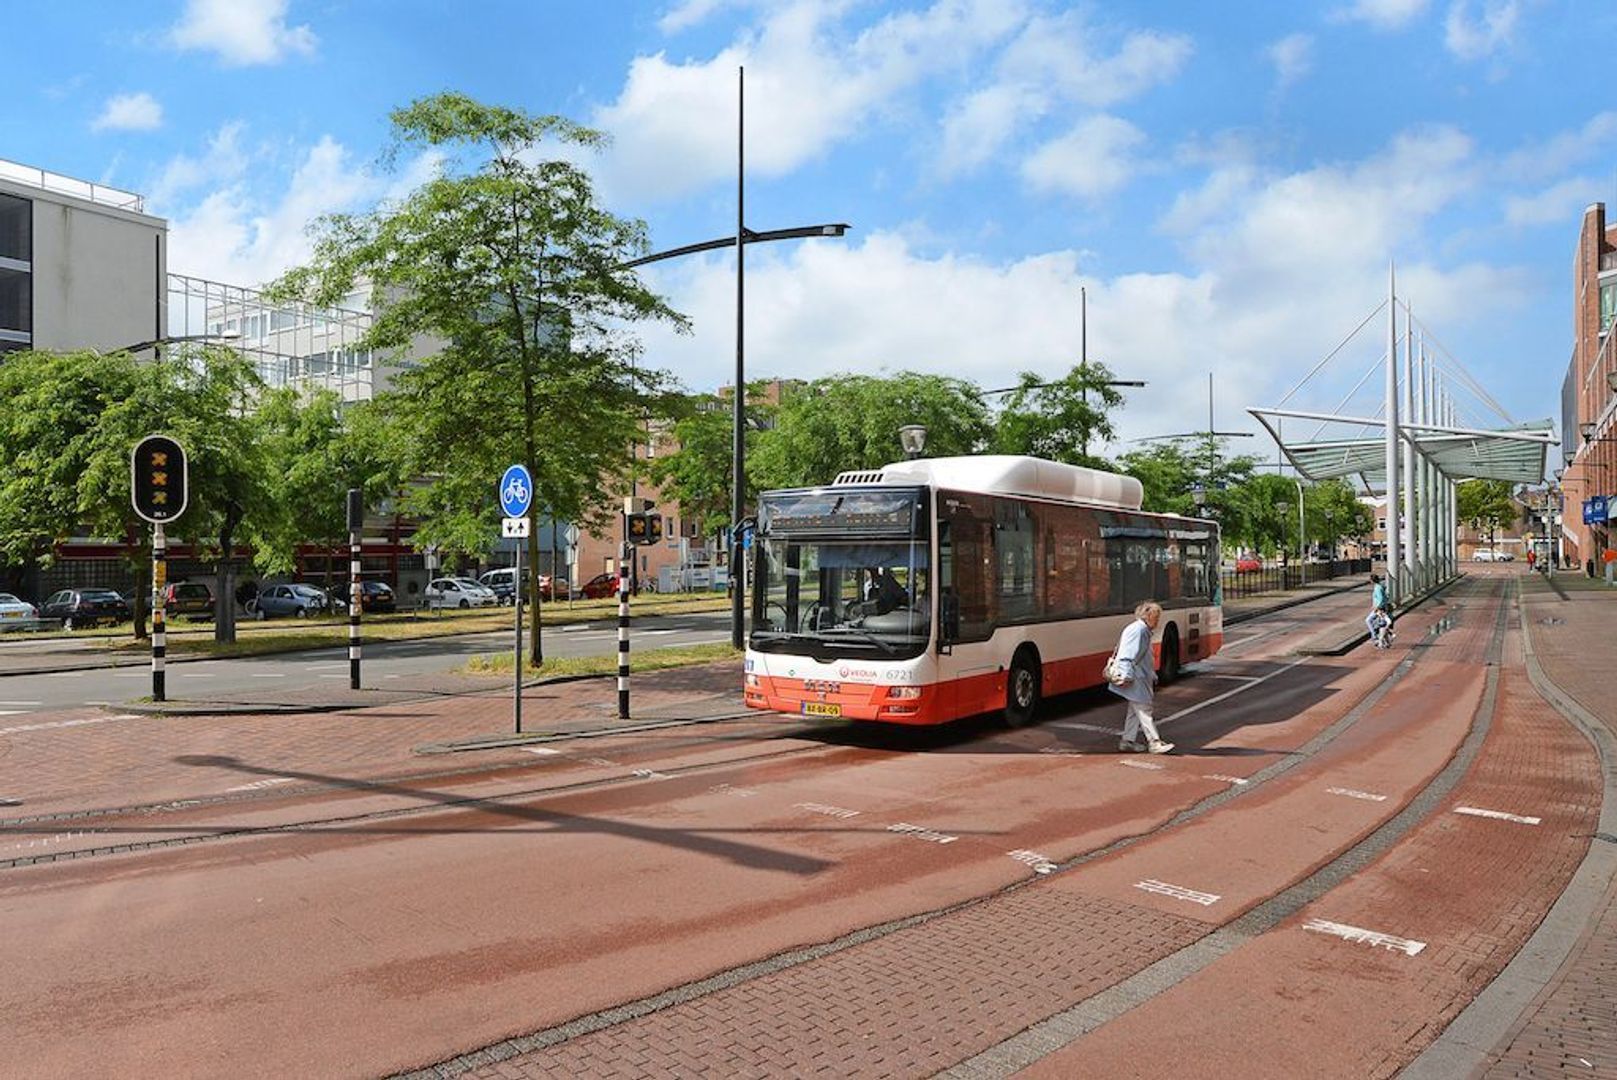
1022,689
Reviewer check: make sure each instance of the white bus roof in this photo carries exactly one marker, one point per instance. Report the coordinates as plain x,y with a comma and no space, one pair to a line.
1008,474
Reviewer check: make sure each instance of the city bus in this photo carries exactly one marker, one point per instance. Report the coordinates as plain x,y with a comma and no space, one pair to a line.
940,588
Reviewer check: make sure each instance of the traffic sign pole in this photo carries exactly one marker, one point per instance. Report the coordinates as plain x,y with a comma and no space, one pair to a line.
159,602
516,652
516,496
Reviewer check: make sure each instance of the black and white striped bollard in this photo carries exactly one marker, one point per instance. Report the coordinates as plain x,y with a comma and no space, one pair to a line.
355,600
623,633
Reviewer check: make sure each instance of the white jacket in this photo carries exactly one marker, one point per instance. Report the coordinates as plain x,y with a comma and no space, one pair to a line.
1134,653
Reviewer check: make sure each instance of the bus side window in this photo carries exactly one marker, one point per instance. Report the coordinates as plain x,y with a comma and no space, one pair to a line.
966,572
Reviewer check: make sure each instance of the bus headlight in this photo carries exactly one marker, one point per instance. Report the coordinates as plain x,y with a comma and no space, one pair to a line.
903,693
753,680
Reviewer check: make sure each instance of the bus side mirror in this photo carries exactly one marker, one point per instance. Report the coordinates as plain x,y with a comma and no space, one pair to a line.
949,616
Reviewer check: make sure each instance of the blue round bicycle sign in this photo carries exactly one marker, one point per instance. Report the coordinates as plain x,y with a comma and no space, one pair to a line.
516,491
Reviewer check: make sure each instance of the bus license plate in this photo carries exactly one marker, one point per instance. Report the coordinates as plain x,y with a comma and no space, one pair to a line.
821,708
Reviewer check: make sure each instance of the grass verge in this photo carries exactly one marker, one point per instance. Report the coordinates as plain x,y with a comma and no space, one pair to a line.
254,639
653,660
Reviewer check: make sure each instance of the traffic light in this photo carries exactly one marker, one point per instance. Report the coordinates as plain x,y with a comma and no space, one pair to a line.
158,478
654,528
639,528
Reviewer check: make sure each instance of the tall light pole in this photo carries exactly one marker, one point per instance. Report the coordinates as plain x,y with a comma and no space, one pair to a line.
743,237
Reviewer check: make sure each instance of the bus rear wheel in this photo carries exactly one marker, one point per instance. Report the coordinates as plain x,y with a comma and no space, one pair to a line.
1170,655
1022,689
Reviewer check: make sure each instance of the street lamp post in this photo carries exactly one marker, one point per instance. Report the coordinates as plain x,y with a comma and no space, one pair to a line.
742,237
912,437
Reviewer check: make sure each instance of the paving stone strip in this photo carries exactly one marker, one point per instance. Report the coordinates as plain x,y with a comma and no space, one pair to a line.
854,975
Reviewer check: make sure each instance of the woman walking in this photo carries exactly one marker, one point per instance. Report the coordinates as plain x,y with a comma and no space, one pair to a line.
1139,688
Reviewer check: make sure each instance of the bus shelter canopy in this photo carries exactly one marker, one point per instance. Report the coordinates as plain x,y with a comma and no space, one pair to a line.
1515,454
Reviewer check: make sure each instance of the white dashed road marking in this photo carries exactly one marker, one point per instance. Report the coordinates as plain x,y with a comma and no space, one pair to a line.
1498,815
828,811
1039,864
1367,796
1365,937
931,836
53,724
1178,892
1225,779
1153,766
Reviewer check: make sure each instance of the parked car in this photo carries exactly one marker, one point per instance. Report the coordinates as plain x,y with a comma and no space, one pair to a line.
458,592
599,586
377,597
79,608
299,601
193,599
560,590
1504,556
1248,564
502,583
1485,555
15,614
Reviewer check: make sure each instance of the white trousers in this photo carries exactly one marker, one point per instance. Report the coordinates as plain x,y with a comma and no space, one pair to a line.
1138,720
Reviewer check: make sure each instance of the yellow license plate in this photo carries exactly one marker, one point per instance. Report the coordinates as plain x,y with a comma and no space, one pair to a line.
821,708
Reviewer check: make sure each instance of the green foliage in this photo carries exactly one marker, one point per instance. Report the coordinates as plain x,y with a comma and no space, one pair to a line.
698,474
77,419
1486,505
1058,420
506,266
851,422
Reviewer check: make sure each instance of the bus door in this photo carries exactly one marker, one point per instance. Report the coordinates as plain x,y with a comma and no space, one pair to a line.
969,674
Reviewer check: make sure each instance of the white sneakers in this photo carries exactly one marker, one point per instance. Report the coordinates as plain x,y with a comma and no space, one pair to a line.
1155,747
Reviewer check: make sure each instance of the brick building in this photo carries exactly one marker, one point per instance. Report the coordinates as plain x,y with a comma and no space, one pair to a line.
1589,391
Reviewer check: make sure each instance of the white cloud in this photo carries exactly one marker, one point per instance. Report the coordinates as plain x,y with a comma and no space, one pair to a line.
810,84
235,236
1562,204
1382,14
223,161
690,13
1275,270
977,128
1092,160
1563,151
129,112
1479,38
241,32
1293,57
1064,53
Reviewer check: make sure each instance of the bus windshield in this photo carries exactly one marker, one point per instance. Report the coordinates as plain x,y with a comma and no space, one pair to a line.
833,598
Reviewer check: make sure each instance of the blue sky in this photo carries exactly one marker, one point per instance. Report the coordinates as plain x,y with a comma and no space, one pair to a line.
1226,180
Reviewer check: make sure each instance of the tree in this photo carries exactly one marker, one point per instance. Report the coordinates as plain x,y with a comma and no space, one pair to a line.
851,422
1486,506
699,475
316,447
1058,420
506,261
74,419
1335,512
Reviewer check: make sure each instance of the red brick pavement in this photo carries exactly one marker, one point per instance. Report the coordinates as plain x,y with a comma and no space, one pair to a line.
1472,889
908,1004
67,762
1571,1030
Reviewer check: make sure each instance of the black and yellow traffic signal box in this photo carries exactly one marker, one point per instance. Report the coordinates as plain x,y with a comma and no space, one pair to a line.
159,479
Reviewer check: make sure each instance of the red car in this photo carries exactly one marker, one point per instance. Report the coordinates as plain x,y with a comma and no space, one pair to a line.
599,587
1248,564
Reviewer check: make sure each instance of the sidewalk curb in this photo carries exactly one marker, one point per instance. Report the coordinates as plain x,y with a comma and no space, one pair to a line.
1359,637
1248,616
1474,1039
501,742
199,708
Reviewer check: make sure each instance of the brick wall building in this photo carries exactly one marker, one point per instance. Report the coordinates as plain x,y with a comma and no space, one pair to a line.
1589,391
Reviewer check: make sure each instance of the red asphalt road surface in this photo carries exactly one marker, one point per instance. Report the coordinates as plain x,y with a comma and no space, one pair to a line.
395,917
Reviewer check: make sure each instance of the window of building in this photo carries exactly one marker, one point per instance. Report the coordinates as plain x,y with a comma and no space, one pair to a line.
16,305
16,228
1608,304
